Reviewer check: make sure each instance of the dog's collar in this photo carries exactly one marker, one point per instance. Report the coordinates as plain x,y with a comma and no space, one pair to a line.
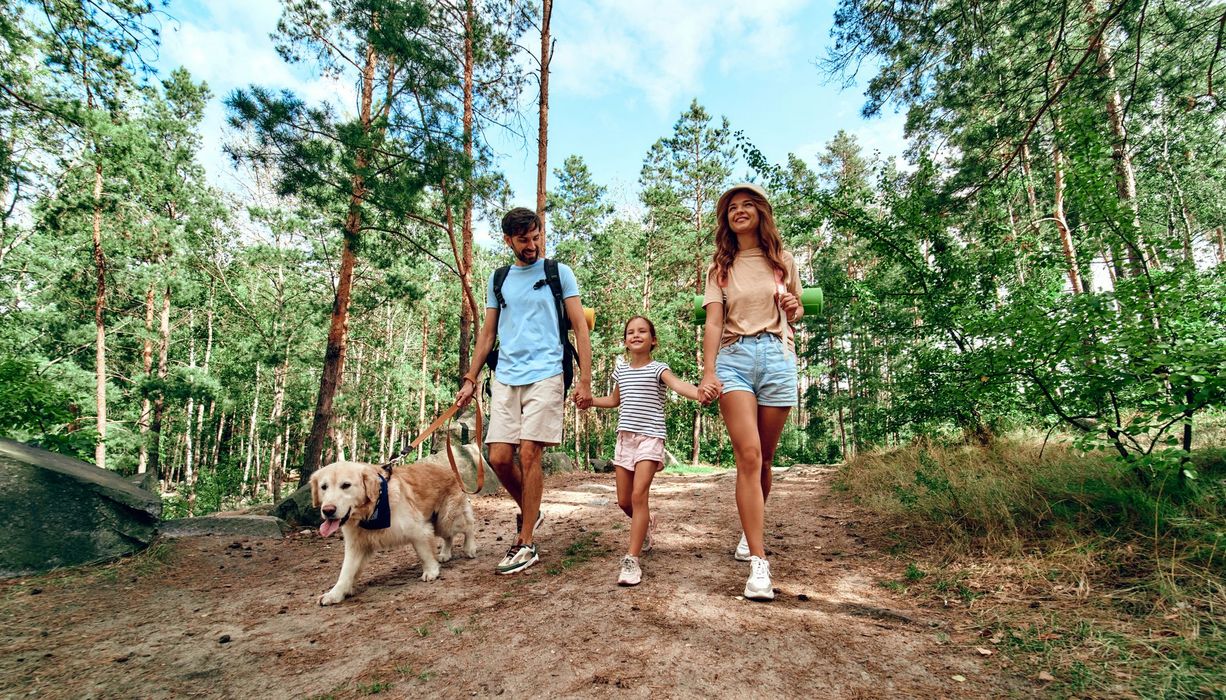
381,519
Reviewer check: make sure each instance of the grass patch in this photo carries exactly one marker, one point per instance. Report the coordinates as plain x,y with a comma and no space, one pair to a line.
581,550
375,688
687,468
1123,563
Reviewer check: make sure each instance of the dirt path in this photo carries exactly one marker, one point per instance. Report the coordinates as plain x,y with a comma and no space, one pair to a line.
211,617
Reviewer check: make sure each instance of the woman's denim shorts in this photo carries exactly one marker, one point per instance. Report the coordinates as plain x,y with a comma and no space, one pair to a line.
760,364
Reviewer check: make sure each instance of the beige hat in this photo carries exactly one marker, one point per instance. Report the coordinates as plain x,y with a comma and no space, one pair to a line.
757,189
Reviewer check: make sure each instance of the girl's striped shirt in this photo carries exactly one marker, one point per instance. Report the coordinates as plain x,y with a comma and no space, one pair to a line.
642,398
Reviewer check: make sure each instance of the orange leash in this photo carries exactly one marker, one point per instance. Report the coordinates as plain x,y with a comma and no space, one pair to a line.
438,422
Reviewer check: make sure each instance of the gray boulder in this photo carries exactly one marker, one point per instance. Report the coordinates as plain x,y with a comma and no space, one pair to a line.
230,525
467,459
462,429
601,466
554,462
296,509
67,512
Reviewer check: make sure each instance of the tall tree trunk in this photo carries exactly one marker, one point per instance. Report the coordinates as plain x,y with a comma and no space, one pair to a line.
208,357
99,320
146,406
1221,246
1125,176
188,471
334,356
1066,236
425,377
255,416
834,389
469,316
159,403
542,139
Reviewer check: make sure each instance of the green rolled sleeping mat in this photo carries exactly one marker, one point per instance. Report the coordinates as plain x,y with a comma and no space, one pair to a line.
810,298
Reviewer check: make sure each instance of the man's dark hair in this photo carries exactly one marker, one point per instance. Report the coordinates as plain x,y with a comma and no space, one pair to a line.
519,220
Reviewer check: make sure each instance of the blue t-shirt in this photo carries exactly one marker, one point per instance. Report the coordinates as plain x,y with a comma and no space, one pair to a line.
529,349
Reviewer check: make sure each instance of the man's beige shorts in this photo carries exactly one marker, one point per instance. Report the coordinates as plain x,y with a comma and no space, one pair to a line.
530,412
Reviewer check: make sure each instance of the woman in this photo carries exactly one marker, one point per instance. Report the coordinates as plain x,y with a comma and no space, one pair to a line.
749,360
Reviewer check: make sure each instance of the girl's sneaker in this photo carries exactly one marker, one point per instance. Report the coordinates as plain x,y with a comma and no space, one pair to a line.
758,587
649,540
630,574
742,549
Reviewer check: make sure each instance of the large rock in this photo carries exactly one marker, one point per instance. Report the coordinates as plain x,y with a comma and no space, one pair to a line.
555,462
63,512
263,526
467,459
462,429
296,509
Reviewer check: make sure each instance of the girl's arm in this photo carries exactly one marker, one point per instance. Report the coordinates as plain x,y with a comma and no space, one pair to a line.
611,401
683,388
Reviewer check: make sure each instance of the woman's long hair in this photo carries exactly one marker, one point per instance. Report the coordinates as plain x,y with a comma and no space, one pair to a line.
726,246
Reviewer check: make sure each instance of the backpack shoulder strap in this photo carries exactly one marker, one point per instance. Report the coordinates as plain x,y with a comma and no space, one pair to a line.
555,285
500,276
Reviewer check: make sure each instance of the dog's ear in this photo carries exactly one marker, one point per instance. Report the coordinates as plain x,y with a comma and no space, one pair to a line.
315,490
370,480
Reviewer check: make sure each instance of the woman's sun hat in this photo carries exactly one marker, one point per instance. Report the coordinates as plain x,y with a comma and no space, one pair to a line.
756,189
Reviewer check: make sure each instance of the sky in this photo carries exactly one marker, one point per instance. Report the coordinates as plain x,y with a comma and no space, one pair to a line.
623,72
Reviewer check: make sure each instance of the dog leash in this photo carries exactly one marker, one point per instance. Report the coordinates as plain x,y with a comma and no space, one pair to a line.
438,422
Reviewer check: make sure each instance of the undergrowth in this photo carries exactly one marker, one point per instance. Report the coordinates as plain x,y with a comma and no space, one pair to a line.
1141,544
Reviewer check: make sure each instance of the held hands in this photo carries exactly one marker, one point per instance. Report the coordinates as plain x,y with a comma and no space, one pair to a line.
582,394
710,389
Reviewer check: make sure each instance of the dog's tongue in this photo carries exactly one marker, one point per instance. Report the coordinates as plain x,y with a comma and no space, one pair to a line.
329,526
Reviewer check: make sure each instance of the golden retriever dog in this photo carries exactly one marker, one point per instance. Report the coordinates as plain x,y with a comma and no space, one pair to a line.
426,503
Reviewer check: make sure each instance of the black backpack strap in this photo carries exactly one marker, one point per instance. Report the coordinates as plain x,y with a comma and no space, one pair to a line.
500,276
568,350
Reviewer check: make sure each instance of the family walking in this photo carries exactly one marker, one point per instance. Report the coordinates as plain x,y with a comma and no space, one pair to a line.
749,365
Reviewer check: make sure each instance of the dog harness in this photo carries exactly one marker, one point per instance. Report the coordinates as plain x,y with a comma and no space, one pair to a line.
381,519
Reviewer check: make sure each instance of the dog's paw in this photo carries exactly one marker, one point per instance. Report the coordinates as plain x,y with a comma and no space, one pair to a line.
470,549
444,555
332,597
429,575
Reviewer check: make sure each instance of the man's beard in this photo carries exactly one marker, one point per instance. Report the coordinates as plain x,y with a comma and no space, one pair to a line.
526,259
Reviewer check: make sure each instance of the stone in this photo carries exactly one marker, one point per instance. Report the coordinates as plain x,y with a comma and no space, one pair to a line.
555,462
297,509
467,457
65,512
262,526
601,466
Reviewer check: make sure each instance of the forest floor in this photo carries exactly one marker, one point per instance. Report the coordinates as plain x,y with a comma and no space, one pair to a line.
219,617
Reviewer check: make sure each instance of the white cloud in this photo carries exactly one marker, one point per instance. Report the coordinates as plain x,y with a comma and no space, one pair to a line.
658,50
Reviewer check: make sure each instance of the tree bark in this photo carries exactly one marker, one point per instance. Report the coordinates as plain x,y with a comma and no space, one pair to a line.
146,406
469,318
189,472
542,141
1066,236
334,356
1221,246
99,321
159,403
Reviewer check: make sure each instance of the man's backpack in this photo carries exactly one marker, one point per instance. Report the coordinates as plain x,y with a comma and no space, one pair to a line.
555,285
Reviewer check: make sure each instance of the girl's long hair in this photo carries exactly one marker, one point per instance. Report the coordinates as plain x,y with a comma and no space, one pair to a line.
726,246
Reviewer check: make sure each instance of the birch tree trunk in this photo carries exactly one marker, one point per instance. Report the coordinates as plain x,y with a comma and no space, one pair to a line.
99,320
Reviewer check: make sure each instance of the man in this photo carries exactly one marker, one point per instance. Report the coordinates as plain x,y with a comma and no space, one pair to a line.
527,388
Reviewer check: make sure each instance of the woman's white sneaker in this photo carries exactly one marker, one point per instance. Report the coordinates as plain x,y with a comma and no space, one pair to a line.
742,549
630,574
758,587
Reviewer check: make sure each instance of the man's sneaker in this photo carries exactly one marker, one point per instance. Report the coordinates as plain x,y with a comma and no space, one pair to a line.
518,558
742,549
631,573
758,587
519,522
649,540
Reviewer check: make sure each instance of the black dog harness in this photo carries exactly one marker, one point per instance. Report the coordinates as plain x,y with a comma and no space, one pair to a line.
381,519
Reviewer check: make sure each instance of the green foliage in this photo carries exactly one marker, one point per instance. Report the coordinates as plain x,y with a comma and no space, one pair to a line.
36,410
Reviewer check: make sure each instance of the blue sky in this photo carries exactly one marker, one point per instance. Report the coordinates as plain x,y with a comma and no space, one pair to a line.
623,72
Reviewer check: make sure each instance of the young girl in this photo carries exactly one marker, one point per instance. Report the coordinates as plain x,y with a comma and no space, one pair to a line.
639,390
749,362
